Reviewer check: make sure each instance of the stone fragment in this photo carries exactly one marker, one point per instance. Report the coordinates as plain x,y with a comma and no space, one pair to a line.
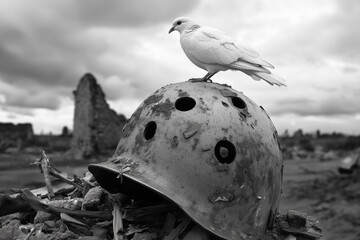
92,198
41,217
90,238
98,231
71,204
296,219
62,235
11,231
145,236
290,237
50,224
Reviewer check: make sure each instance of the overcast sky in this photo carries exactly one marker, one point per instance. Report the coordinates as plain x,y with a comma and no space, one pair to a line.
46,46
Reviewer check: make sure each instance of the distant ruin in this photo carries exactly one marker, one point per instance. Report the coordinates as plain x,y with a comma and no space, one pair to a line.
97,128
15,135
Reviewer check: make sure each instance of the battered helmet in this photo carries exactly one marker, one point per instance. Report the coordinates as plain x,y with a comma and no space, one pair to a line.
209,149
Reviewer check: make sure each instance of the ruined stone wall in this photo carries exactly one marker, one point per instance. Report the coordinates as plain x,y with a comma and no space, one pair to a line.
15,135
97,128
53,142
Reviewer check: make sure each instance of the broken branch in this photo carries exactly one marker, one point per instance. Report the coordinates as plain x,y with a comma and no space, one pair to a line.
36,204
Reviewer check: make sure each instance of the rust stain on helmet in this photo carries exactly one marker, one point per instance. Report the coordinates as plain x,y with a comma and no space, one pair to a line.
195,143
191,130
247,167
164,108
139,142
222,168
242,116
222,195
246,112
182,93
153,99
174,142
226,92
212,161
131,123
255,123
204,106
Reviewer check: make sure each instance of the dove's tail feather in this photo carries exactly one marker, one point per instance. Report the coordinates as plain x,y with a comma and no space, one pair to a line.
245,66
266,64
268,77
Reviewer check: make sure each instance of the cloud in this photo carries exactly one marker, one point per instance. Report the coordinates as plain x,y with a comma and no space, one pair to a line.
130,13
345,37
28,97
333,34
331,105
351,69
53,46
68,14
14,112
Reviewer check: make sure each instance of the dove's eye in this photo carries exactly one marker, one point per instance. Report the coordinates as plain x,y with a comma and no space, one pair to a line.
178,22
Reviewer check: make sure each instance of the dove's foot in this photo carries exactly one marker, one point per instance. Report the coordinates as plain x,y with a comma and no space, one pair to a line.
199,80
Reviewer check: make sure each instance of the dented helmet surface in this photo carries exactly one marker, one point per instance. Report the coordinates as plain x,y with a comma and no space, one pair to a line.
209,149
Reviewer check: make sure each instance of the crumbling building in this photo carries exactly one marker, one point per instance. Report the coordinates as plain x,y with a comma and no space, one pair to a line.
97,128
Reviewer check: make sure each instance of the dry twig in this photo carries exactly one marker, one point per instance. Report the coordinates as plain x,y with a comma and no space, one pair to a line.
44,164
36,204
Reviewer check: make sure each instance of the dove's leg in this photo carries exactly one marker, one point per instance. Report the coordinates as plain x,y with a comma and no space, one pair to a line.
206,78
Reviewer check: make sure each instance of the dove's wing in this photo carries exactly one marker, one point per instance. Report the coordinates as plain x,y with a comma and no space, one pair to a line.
211,46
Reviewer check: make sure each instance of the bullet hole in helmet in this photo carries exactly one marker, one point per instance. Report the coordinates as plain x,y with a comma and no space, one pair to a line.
225,104
238,102
150,130
185,104
225,152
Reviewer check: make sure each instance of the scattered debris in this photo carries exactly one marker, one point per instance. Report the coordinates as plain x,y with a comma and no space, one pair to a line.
118,225
349,164
92,198
77,208
296,219
44,165
324,192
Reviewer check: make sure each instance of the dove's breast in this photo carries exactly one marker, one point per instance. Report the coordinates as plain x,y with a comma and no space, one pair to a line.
200,52
187,45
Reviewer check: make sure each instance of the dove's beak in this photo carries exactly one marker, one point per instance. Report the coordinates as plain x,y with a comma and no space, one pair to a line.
171,29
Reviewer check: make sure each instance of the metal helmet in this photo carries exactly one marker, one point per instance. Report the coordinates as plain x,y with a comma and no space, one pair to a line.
209,149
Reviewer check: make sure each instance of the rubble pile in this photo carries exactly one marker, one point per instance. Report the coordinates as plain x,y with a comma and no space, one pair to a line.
78,208
330,190
335,197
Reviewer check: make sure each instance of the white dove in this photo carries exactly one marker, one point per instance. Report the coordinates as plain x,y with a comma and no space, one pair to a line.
214,51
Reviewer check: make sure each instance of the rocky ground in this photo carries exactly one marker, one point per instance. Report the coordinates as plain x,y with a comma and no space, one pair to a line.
317,188
311,186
